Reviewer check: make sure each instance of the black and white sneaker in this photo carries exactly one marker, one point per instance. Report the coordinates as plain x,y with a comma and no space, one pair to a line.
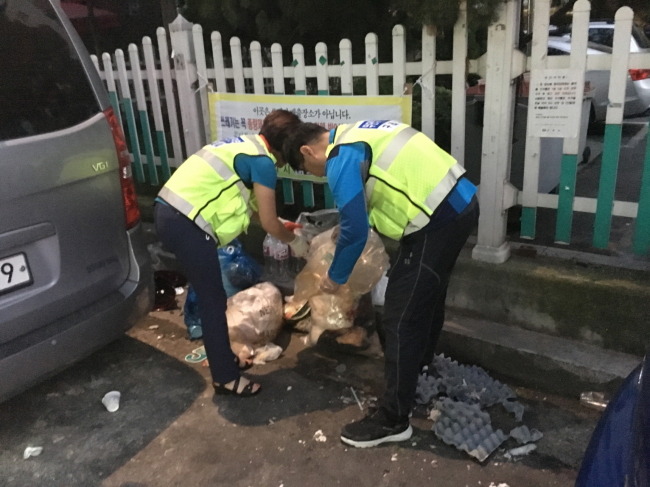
375,429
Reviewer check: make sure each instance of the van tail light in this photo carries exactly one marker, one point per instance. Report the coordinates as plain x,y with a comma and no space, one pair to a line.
131,209
639,74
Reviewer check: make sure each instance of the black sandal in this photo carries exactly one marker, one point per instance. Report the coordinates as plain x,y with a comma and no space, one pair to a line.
247,390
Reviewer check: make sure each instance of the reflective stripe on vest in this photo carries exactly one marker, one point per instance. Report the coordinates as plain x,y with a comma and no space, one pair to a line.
206,188
414,175
216,163
186,208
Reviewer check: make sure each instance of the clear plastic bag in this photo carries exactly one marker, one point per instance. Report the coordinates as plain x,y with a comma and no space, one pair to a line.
337,311
254,317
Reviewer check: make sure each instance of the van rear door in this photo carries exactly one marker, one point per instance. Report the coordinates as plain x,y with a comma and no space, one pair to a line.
63,243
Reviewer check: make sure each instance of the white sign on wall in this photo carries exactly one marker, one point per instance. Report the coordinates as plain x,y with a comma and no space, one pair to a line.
556,97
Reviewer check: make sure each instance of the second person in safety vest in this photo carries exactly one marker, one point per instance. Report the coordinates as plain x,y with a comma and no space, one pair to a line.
208,202
389,176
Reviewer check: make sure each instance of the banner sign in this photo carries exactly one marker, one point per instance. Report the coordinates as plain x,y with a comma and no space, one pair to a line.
233,114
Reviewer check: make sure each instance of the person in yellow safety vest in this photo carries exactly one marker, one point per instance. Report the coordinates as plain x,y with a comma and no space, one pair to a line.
389,176
208,202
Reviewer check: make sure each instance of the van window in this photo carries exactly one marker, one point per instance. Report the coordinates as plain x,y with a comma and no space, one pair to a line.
43,86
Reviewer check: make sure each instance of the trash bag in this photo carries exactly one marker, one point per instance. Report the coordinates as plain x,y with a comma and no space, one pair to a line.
191,315
254,319
239,268
317,222
336,311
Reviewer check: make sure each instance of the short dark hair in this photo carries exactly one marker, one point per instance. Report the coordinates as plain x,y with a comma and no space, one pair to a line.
304,134
277,125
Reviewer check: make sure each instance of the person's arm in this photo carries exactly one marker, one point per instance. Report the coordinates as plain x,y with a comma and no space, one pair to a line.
268,215
264,178
345,180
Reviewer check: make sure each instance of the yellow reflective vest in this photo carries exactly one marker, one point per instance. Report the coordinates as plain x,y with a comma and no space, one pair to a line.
408,176
207,190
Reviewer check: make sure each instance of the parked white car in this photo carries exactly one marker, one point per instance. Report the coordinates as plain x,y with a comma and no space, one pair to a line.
601,38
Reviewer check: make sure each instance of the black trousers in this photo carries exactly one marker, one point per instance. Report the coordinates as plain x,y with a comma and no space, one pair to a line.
414,309
196,253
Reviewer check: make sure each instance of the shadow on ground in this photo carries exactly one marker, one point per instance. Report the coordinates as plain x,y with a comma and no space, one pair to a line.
82,442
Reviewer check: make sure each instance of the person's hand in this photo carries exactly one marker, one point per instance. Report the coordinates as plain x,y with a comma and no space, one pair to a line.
328,286
299,246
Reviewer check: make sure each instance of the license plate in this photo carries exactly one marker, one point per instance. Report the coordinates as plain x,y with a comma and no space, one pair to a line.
14,273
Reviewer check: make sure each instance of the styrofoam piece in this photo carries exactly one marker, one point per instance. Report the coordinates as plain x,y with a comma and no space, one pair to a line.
515,408
427,389
469,383
467,428
523,435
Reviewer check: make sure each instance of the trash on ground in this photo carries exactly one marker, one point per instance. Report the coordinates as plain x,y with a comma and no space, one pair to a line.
154,327
319,436
289,388
458,394
335,311
434,415
32,451
340,368
492,484
520,451
356,398
394,457
179,290
197,355
467,428
523,435
111,401
594,400
165,299
267,353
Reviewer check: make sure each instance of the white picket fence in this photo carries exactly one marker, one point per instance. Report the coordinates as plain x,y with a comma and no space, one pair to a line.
176,98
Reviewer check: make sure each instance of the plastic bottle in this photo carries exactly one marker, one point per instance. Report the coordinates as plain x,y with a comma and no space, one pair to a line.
281,255
269,260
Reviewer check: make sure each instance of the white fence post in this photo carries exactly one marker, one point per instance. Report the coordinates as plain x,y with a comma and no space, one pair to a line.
202,74
372,65
170,102
534,144
399,60
219,67
278,69
428,81
187,81
345,49
459,83
237,65
258,69
496,191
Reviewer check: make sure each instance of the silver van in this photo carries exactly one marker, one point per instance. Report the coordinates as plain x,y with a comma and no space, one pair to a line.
74,269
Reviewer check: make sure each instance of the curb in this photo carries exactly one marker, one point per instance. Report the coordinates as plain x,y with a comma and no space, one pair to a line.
531,359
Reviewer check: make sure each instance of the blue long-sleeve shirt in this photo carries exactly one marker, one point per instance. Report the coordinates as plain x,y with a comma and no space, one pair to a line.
344,171
344,175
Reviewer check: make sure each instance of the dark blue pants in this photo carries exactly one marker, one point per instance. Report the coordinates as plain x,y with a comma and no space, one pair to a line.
197,256
414,310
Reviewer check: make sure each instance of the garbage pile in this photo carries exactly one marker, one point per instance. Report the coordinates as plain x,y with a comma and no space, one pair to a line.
334,311
458,396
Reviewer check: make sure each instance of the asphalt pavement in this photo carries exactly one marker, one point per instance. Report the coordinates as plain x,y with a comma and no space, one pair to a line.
171,431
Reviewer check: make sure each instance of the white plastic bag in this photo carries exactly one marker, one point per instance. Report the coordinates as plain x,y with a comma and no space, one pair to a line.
254,320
